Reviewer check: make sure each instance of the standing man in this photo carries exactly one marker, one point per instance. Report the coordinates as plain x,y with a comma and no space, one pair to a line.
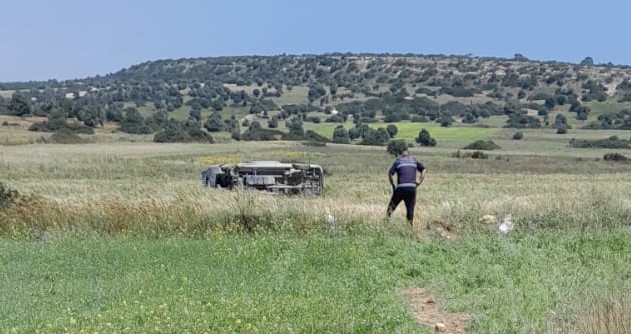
405,167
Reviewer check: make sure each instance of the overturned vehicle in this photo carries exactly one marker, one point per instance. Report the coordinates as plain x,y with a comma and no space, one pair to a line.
273,176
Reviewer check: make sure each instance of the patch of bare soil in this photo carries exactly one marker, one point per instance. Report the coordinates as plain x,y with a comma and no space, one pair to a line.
443,230
428,313
110,127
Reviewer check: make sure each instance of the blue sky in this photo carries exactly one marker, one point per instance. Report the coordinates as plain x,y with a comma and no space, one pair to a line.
66,39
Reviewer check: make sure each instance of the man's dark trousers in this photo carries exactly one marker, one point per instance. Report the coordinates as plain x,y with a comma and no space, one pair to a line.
408,196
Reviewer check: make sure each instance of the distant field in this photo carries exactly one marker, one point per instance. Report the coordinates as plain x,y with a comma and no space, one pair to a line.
6,93
409,131
599,108
10,135
297,95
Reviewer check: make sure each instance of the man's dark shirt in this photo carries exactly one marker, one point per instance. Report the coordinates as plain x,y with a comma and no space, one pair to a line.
405,167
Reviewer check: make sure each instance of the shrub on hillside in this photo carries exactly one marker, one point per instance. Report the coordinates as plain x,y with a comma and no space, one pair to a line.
261,134
562,129
612,142
518,135
479,155
425,139
340,135
615,157
335,119
315,137
395,147
47,126
485,145
522,121
176,132
472,155
374,137
65,136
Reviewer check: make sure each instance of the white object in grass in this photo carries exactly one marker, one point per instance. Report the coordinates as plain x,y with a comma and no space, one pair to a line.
507,224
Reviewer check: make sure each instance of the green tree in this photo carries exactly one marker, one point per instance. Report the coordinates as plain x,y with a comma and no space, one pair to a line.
133,122
217,104
582,113
273,122
425,139
340,135
57,119
587,61
560,121
215,123
374,137
195,113
158,120
19,105
562,129
295,127
395,147
236,133
3,106
392,130
550,102
315,92
171,133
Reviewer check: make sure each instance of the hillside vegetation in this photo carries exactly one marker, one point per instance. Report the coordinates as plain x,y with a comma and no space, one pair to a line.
277,97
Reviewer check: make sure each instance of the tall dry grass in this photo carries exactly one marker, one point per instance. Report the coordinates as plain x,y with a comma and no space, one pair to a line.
171,208
154,190
610,314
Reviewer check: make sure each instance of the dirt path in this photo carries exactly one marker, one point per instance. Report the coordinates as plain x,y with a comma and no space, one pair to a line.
427,313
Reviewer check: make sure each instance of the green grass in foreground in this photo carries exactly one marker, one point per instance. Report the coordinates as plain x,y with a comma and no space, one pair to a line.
312,284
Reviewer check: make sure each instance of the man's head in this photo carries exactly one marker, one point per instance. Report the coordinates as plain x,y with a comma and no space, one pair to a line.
404,150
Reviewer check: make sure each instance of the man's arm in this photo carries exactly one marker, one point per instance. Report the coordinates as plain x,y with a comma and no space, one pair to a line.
423,170
391,172
421,178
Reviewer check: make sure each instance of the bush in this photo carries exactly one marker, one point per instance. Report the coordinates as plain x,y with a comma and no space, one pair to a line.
425,139
612,142
485,145
518,135
258,134
395,147
7,196
615,157
561,129
335,119
473,155
175,132
47,126
314,137
313,119
65,136
479,155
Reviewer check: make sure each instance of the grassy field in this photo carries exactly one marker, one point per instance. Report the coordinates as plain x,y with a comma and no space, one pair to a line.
409,131
119,236
316,284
